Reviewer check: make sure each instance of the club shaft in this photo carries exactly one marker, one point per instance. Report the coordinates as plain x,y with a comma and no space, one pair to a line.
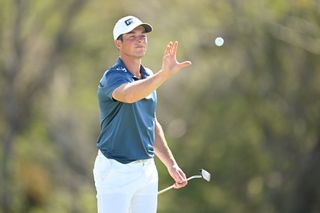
194,176
171,187
166,189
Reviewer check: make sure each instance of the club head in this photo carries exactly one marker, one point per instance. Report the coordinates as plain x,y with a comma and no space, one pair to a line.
205,175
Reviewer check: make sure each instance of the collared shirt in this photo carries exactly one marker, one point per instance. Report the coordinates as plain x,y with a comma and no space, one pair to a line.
126,129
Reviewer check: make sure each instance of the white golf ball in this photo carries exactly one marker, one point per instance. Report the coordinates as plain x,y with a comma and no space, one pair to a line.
219,41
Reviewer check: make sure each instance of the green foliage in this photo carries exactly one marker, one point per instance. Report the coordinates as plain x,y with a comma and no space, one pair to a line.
248,112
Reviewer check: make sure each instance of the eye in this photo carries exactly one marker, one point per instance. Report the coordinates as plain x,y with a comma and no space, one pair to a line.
143,37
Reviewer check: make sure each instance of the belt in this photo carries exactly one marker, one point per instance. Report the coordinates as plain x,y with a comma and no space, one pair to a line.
141,161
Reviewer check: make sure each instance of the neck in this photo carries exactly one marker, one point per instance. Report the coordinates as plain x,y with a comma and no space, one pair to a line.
132,64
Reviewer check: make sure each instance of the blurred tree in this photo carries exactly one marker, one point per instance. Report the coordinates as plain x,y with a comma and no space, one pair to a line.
254,118
247,111
24,54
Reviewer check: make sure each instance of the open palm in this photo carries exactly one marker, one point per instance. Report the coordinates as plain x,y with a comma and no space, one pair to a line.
169,61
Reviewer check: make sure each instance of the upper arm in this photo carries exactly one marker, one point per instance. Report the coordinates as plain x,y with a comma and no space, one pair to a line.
120,93
112,81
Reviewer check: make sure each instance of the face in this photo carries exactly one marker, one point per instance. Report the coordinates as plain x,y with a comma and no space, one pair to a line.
134,43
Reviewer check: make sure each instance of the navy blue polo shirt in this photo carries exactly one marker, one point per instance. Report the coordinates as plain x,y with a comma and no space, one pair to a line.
126,130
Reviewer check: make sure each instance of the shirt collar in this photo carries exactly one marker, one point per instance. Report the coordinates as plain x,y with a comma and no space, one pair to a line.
143,71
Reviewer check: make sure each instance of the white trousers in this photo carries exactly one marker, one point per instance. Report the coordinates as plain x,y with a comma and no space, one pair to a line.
125,188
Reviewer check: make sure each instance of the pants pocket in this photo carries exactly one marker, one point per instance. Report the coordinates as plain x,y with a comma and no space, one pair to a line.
102,168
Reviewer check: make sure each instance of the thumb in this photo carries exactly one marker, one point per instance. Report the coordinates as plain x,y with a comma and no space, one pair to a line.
184,64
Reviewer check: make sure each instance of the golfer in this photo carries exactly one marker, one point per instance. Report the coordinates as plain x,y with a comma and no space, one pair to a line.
125,174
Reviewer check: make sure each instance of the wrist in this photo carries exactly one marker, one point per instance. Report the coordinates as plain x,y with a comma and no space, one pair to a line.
164,74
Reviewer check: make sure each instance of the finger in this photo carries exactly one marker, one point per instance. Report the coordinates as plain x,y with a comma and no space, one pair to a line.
180,178
167,50
183,175
174,48
178,185
171,46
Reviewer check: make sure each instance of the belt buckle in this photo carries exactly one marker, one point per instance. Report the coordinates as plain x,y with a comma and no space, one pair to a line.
143,162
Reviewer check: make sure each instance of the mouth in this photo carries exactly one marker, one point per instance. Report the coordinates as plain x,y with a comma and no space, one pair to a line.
140,47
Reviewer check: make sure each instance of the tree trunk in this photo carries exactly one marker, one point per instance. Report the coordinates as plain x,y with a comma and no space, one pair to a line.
305,196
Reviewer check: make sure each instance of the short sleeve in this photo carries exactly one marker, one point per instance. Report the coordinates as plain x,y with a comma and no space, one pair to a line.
111,80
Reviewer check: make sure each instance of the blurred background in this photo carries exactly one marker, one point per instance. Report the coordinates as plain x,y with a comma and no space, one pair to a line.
247,111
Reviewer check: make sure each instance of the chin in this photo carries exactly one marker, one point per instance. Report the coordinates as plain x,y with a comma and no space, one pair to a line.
141,54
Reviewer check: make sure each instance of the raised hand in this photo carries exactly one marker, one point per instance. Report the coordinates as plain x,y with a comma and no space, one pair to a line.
170,65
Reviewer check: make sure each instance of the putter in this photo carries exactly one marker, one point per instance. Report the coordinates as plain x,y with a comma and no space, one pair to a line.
203,174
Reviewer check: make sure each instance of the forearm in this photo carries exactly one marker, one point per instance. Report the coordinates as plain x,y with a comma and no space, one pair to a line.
162,149
132,92
164,154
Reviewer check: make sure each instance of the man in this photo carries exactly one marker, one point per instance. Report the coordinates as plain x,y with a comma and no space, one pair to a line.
125,174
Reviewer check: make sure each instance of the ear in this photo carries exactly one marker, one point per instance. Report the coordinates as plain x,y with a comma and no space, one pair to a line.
118,44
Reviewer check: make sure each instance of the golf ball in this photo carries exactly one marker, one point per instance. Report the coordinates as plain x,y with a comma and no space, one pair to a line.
219,41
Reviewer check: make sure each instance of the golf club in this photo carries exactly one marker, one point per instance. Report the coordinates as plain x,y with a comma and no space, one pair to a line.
203,174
